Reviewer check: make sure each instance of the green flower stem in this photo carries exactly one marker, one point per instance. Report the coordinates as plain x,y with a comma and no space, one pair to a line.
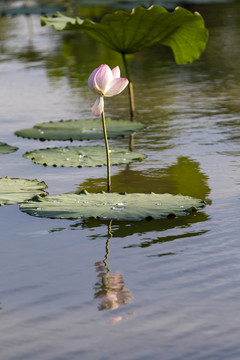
130,87
131,98
107,153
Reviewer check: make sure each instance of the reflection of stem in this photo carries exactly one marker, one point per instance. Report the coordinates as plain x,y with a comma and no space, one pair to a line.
107,153
30,28
109,288
107,248
130,88
131,142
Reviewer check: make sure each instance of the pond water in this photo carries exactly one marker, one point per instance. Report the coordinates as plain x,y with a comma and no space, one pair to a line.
92,290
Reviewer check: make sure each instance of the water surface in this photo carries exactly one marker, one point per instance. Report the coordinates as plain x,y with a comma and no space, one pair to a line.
89,289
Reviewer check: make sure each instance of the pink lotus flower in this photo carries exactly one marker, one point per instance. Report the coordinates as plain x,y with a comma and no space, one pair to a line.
105,82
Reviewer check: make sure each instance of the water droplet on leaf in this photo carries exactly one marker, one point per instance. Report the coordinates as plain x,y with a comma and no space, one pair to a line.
117,208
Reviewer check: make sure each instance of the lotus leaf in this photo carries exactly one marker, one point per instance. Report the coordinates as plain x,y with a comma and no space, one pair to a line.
81,156
14,191
130,32
6,149
115,206
90,129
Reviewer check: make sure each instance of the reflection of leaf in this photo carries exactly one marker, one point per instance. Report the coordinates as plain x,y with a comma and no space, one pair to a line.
184,177
127,228
14,191
85,129
29,54
188,178
6,149
116,206
128,33
168,238
161,255
81,156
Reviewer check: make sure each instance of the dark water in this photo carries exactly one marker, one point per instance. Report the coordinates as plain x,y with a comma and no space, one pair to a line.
90,289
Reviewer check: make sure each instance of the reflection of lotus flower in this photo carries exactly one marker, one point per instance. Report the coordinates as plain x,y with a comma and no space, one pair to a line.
105,82
114,293
110,289
109,301
115,320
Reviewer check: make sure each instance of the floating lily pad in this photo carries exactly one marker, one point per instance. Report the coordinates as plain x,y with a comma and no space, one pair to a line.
130,32
81,156
17,190
86,129
6,149
113,206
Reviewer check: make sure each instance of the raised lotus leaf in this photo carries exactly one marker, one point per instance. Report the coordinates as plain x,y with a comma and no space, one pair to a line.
81,156
86,129
6,149
130,32
115,206
16,190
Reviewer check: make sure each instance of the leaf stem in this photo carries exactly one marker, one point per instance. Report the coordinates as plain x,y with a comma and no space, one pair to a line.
107,153
130,87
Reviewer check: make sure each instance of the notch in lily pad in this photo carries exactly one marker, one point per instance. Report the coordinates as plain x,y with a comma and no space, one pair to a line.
18,190
112,206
